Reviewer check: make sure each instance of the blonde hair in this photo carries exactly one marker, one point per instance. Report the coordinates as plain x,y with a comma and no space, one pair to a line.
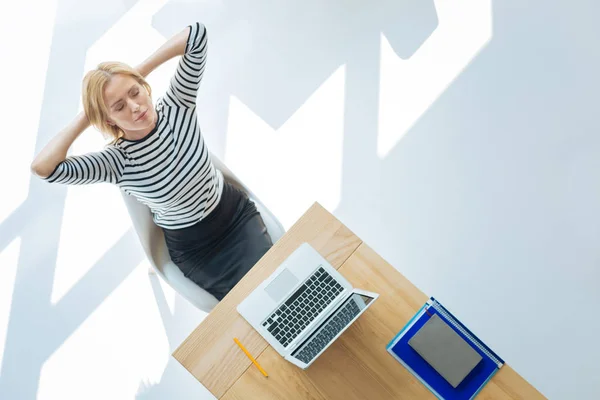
93,86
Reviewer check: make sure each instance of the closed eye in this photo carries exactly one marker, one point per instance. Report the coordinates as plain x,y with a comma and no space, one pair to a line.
133,94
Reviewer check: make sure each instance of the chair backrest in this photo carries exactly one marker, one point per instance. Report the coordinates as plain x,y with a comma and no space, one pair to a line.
153,242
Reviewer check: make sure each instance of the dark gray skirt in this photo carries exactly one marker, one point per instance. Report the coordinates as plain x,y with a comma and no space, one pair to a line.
217,251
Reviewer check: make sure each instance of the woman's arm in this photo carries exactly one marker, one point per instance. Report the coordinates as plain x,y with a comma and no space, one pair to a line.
172,48
185,82
56,150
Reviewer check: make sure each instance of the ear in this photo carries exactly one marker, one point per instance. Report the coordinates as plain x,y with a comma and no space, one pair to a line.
110,123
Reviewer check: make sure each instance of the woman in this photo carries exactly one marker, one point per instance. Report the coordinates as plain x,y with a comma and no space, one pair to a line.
157,154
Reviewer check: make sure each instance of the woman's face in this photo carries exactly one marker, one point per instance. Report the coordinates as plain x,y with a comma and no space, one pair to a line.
129,105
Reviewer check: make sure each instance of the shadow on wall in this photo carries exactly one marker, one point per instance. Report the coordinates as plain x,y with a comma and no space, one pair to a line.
274,55
37,328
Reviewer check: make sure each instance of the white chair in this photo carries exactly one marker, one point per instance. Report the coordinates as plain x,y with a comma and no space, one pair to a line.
153,241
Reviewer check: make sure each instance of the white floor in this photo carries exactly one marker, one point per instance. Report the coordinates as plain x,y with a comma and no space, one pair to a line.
457,138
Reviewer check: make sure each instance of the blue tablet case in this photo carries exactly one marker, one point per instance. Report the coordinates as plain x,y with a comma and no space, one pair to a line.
408,357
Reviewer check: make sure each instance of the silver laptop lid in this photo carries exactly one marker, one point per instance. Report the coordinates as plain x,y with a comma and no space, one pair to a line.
331,328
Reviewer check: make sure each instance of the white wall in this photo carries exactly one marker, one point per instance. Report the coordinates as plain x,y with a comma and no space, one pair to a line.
456,138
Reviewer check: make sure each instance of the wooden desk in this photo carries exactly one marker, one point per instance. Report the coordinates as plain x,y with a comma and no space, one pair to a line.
356,366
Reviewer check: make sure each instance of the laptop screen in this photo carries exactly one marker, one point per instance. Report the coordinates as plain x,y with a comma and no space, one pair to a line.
339,319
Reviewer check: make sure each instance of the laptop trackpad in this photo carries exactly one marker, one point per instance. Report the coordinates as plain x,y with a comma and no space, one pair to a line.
281,285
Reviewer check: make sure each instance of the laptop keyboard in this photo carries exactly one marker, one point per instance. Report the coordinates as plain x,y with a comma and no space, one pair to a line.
340,320
286,323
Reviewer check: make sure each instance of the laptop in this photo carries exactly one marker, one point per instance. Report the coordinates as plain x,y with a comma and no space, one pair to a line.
304,306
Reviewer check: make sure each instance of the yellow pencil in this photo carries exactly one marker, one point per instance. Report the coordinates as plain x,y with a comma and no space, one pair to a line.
250,357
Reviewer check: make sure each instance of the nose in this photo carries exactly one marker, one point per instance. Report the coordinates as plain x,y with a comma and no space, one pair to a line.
133,105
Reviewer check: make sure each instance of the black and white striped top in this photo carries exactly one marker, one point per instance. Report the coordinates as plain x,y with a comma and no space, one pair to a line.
170,169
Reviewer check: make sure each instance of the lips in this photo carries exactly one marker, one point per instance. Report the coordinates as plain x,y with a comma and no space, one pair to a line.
142,116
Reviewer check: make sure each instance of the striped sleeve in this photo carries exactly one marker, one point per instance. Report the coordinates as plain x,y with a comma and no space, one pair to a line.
184,84
103,166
